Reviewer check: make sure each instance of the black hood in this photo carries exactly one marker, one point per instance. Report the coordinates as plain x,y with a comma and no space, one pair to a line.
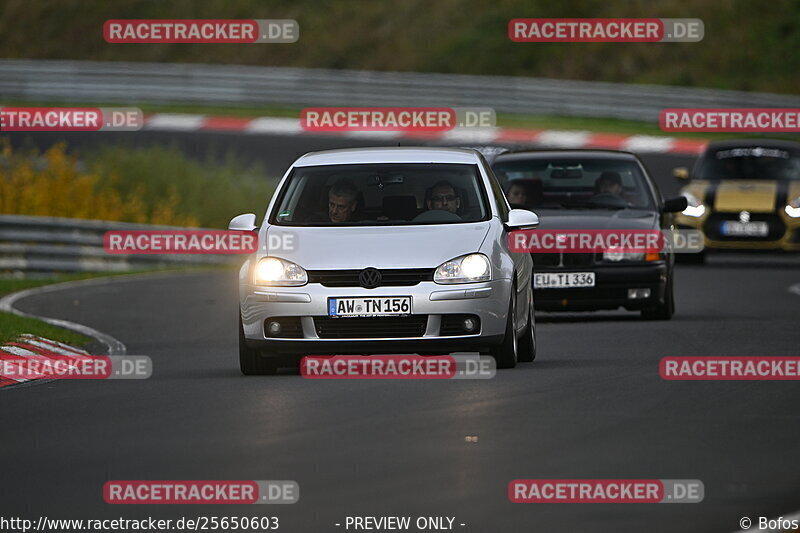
627,219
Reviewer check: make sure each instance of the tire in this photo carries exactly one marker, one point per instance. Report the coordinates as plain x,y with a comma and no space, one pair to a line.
664,310
505,353
526,349
251,362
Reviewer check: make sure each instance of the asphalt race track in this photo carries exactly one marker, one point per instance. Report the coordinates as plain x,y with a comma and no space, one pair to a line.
591,406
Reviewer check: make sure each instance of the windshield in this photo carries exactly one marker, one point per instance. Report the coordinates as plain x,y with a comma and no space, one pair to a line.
751,162
573,183
382,194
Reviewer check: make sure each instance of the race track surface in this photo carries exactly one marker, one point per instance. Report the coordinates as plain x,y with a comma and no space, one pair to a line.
591,406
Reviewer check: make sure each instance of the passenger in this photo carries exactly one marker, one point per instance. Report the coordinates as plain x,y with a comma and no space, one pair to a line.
609,182
443,197
516,194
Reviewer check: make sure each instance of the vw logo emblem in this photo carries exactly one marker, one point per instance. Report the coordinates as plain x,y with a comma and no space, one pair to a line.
369,278
744,216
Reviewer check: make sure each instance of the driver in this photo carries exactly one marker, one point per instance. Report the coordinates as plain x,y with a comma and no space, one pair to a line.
443,197
342,201
609,182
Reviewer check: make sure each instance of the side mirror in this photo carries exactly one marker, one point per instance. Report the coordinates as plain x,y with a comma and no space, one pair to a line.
682,173
246,222
675,205
521,219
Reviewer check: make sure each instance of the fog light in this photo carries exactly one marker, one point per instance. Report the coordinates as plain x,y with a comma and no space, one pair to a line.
274,328
470,325
638,294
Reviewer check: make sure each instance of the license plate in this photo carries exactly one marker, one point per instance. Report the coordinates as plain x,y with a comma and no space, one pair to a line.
735,228
563,280
383,306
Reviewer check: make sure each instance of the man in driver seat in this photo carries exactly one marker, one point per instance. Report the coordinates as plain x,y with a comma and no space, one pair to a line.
443,197
609,182
342,201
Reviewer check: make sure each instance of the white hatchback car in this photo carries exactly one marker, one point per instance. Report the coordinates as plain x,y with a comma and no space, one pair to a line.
386,250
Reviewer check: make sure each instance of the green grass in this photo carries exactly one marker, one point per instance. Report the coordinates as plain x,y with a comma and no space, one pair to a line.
12,326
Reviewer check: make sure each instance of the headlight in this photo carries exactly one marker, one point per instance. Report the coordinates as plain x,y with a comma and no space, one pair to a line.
274,271
465,269
695,207
612,255
793,209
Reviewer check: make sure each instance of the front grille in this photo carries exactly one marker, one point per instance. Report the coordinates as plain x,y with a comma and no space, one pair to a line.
395,277
713,227
291,328
370,327
567,260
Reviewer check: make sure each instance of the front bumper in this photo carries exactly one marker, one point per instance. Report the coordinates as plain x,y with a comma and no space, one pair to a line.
784,231
488,301
611,288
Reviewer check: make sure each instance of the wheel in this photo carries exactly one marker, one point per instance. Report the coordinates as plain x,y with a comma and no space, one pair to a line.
665,309
527,344
251,363
505,353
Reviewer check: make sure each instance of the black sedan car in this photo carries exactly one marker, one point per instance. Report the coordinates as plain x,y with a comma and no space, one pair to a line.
592,190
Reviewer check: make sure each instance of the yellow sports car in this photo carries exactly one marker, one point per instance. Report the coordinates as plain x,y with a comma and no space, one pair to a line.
744,194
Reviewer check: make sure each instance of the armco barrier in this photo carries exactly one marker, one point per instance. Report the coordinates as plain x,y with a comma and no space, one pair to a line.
51,244
165,83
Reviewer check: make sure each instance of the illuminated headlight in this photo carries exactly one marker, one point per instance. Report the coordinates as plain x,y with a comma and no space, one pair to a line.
695,207
465,269
793,209
612,255
274,271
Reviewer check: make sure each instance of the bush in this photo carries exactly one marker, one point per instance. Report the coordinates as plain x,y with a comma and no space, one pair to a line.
154,185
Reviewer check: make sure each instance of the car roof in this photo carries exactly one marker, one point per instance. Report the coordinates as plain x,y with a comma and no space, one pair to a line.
542,154
393,154
745,143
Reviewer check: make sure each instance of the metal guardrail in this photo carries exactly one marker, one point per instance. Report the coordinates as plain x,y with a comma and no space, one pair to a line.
165,83
51,244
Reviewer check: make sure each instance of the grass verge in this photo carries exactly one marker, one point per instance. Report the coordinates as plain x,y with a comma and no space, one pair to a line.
12,326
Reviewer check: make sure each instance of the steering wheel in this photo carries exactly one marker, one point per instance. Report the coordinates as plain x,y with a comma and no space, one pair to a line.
607,198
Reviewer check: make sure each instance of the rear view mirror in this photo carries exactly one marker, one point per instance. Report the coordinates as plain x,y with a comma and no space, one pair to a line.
519,219
682,173
675,205
246,222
